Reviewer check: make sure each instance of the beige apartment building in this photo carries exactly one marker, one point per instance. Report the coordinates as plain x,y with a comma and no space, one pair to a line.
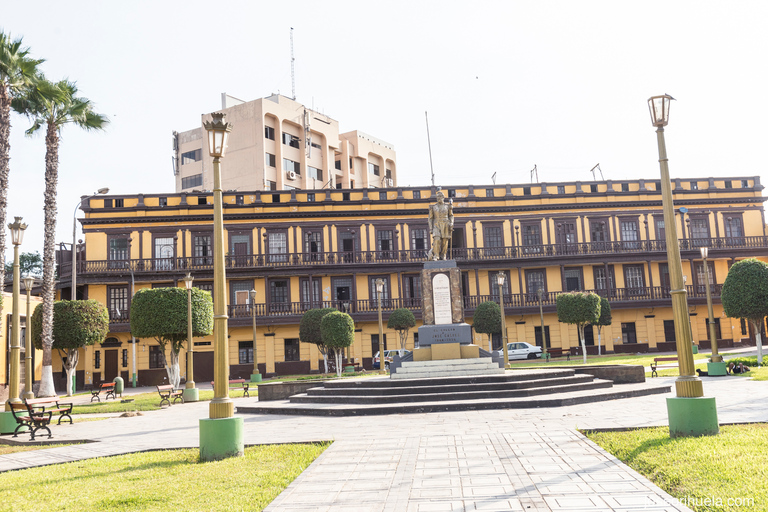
279,144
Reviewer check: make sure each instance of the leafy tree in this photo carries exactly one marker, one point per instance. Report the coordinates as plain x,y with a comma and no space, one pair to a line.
309,330
76,324
30,264
161,313
337,330
605,319
580,309
745,295
487,320
53,105
401,320
17,71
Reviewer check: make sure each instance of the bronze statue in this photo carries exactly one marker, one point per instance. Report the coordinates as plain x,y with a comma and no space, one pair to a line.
441,227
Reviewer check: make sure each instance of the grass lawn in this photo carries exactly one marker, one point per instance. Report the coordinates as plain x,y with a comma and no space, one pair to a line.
161,480
143,402
5,449
730,466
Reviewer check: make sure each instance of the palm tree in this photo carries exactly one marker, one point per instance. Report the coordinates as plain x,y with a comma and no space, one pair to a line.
17,71
53,105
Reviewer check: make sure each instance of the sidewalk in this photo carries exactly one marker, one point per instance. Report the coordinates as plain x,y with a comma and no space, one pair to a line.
524,459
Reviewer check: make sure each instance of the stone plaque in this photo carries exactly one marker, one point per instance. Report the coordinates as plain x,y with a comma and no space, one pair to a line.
441,299
445,333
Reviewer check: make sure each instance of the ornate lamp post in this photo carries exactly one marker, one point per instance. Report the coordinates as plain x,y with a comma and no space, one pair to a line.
134,375
540,293
689,413
29,282
104,190
221,435
716,366
255,375
17,235
500,278
190,392
379,290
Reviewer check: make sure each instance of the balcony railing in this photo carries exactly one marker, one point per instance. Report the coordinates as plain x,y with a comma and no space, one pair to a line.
409,256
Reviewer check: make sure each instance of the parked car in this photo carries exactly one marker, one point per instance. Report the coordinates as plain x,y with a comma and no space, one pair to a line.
388,356
521,350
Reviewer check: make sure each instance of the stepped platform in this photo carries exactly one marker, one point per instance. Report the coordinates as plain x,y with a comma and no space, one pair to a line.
447,368
514,389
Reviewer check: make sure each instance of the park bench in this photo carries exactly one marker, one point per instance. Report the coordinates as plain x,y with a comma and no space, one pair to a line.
558,352
656,361
51,404
109,387
27,416
243,384
167,392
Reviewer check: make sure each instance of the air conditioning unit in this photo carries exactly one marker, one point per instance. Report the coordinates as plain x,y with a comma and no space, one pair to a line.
389,182
291,175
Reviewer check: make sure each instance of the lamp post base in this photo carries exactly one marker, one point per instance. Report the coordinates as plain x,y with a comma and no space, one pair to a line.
692,417
221,438
8,423
717,369
255,377
191,394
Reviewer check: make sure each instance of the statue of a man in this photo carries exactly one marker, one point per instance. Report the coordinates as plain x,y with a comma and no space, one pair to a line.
441,227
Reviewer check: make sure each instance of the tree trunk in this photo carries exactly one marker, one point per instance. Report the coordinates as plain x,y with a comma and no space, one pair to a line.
324,350
73,355
174,376
599,328
339,352
49,246
758,340
5,157
583,344
403,339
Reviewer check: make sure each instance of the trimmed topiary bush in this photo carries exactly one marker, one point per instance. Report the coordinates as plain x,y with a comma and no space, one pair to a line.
338,332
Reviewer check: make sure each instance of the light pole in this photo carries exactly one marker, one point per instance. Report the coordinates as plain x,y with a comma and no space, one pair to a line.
190,393
379,290
74,240
255,375
689,412
134,377
221,435
540,293
29,282
500,278
17,235
716,365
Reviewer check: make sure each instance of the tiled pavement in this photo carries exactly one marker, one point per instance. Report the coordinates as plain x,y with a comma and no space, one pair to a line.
524,459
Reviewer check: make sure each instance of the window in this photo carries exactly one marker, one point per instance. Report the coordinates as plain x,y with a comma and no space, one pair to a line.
125,358
493,241
202,250
240,292
310,197
603,283
271,185
316,174
344,195
119,203
382,196
573,280
589,335
744,183
192,181
385,243
388,174
634,279
313,245
375,291
269,133
417,194
270,159
277,247
728,184
290,165
310,293
245,352
669,330
107,203
629,234
593,188
315,145
206,287
337,165
694,185
661,233
164,247
290,140
373,168
561,189
118,252
451,192
419,242
537,335
375,343
191,156
279,295
97,359
292,349
202,200
628,334
494,284
718,334
702,277
535,279
412,291
526,191
162,201
489,192
156,357
239,199
699,231
599,233
532,238
625,187
733,230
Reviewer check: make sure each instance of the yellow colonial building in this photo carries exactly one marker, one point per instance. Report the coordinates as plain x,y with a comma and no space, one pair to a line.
303,249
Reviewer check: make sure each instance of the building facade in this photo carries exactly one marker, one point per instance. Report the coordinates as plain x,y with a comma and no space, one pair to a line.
315,248
280,144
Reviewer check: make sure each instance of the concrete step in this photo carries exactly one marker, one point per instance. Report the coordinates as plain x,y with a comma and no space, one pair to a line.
446,362
447,368
431,373
517,375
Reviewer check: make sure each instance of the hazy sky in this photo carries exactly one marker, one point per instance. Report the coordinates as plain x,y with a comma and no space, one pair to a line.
508,85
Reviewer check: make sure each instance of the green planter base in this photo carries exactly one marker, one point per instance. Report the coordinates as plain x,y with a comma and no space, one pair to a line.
221,438
191,395
695,349
717,369
8,423
692,416
255,377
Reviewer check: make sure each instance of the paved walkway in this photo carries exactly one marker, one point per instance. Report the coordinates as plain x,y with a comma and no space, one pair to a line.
525,460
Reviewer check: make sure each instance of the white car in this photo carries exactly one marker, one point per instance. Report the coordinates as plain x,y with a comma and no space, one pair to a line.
388,356
521,350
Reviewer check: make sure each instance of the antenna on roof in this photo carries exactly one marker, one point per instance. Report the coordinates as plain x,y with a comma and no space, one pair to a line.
592,170
293,76
429,144
493,178
534,172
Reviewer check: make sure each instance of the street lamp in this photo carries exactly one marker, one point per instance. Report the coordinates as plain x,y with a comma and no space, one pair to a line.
74,239
689,412
255,375
221,435
134,377
540,293
379,290
716,357
500,278
190,393
29,282
17,235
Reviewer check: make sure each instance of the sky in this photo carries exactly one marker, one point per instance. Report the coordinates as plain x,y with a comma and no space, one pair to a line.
508,85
